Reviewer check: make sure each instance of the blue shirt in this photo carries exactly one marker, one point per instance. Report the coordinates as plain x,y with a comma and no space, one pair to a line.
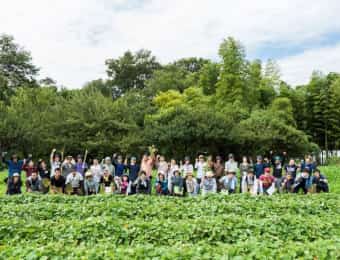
133,171
14,167
119,169
259,169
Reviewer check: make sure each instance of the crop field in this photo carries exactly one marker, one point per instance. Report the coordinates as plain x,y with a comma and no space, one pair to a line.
137,227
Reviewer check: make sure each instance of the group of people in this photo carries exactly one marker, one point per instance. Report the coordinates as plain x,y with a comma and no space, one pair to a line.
115,175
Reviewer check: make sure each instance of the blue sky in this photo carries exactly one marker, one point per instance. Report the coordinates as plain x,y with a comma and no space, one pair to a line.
70,40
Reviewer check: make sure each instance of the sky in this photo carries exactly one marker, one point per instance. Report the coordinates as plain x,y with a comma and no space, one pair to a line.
71,39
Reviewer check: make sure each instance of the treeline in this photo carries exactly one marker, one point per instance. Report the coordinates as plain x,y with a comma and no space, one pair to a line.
188,106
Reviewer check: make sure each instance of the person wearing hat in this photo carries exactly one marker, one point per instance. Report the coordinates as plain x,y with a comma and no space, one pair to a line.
161,184
81,166
267,182
259,167
14,184
229,183
33,183
281,157
107,180
57,182
208,184
55,161
191,185
90,185
250,183
119,165
303,181
107,164
67,166
14,164
231,164
133,170
218,169
75,180
200,166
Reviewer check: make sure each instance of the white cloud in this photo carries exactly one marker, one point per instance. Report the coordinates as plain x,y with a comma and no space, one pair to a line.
298,69
70,40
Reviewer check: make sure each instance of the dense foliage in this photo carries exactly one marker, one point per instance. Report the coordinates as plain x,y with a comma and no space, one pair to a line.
144,226
188,106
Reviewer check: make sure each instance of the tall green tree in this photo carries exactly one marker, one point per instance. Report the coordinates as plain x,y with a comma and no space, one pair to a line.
16,67
131,71
231,86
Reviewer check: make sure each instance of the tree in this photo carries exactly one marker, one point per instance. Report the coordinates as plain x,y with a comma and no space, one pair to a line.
16,66
99,85
131,71
208,78
231,85
191,64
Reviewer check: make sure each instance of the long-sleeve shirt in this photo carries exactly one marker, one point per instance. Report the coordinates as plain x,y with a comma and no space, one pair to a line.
209,185
97,172
133,171
229,183
14,167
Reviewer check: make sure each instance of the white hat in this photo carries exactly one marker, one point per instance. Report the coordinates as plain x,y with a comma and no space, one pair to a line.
16,174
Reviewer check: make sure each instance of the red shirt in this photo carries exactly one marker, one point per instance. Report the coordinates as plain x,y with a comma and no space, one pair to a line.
29,170
267,181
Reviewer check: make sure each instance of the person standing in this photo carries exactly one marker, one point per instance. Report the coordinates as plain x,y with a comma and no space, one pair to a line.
133,169
55,161
14,164
81,166
231,164
200,166
218,169
67,166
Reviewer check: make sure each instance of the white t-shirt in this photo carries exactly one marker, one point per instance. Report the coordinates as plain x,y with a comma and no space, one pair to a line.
97,172
231,166
201,168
